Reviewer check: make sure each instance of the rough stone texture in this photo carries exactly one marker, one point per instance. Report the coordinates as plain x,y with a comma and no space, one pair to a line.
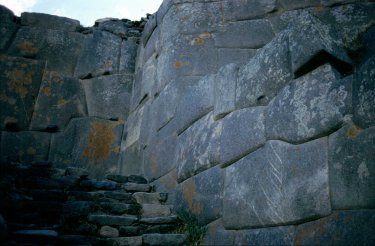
55,46
24,146
134,126
164,239
254,34
134,187
47,21
108,97
277,184
89,143
198,147
234,55
19,83
352,167
364,94
225,90
7,27
107,231
340,228
126,241
196,102
148,198
114,26
262,77
99,55
234,10
131,160
202,195
310,106
59,100
128,56
113,219
243,132
217,235
168,184
298,4
271,236
155,210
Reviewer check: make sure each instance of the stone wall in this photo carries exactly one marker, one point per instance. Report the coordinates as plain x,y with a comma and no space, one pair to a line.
65,89
259,117
256,116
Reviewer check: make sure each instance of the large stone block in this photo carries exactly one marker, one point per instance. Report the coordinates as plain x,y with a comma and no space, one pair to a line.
243,132
89,143
47,21
167,184
195,102
225,90
55,46
7,27
202,195
234,10
262,77
131,160
24,146
152,46
133,127
217,235
100,55
148,82
299,4
283,235
310,106
59,100
198,148
234,55
276,185
254,34
109,96
128,56
351,167
19,82
340,228
364,94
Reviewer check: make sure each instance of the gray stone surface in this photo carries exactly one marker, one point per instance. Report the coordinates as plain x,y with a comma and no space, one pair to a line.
310,106
243,132
340,228
277,184
115,26
126,241
108,231
217,235
198,148
153,46
55,46
49,21
234,10
19,83
262,78
88,143
133,127
100,55
148,198
131,160
159,220
299,4
168,184
254,34
128,56
364,94
225,90
271,236
234,55
351,167
148,29
7,27
196,102
148,83
155,210
59,100
164,239
112,219
25,146
134,187
202,195
108,97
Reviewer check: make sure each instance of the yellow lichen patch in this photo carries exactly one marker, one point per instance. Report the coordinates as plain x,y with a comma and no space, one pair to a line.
31,151
61,103
178,64
200,39
353,132
47,91
18,81
189,191
100,140
28,47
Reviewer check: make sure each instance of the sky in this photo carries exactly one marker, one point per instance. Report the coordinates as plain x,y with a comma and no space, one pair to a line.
86,11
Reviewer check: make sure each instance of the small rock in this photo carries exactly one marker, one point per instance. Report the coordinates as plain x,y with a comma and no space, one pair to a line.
155,210
120,196
107,231
148,198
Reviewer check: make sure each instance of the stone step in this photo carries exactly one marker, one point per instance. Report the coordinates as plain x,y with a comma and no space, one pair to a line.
122,241
76,240
163,239
150,198
134,187
92,185
112,220
36,236
127,179
120,208
159,220
167,228
129,231
102,196
108,231
155,210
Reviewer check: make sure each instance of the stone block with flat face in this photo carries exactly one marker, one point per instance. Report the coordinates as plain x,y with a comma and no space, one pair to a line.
128,56
310,106
234,10
273,236
90,143
7,27
20,80
234,55
351,167
60,99
277,184
47,21
198,148
99,56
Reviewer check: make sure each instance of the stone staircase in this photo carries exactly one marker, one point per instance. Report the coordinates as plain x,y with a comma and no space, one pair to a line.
47,206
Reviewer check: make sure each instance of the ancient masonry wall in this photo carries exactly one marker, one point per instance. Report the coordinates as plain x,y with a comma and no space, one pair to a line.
256,116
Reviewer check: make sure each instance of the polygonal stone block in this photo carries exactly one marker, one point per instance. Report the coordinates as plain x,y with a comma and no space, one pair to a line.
47,21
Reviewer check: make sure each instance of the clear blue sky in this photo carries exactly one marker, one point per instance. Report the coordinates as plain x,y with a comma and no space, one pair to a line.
86,11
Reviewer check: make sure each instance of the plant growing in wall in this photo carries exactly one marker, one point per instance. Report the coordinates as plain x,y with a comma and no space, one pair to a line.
188,223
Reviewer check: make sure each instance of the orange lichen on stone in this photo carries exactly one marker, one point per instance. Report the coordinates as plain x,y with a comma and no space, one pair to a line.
200,39
100,139
189,190
61,103
178,64
353,132
47,91
18,80
28,47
